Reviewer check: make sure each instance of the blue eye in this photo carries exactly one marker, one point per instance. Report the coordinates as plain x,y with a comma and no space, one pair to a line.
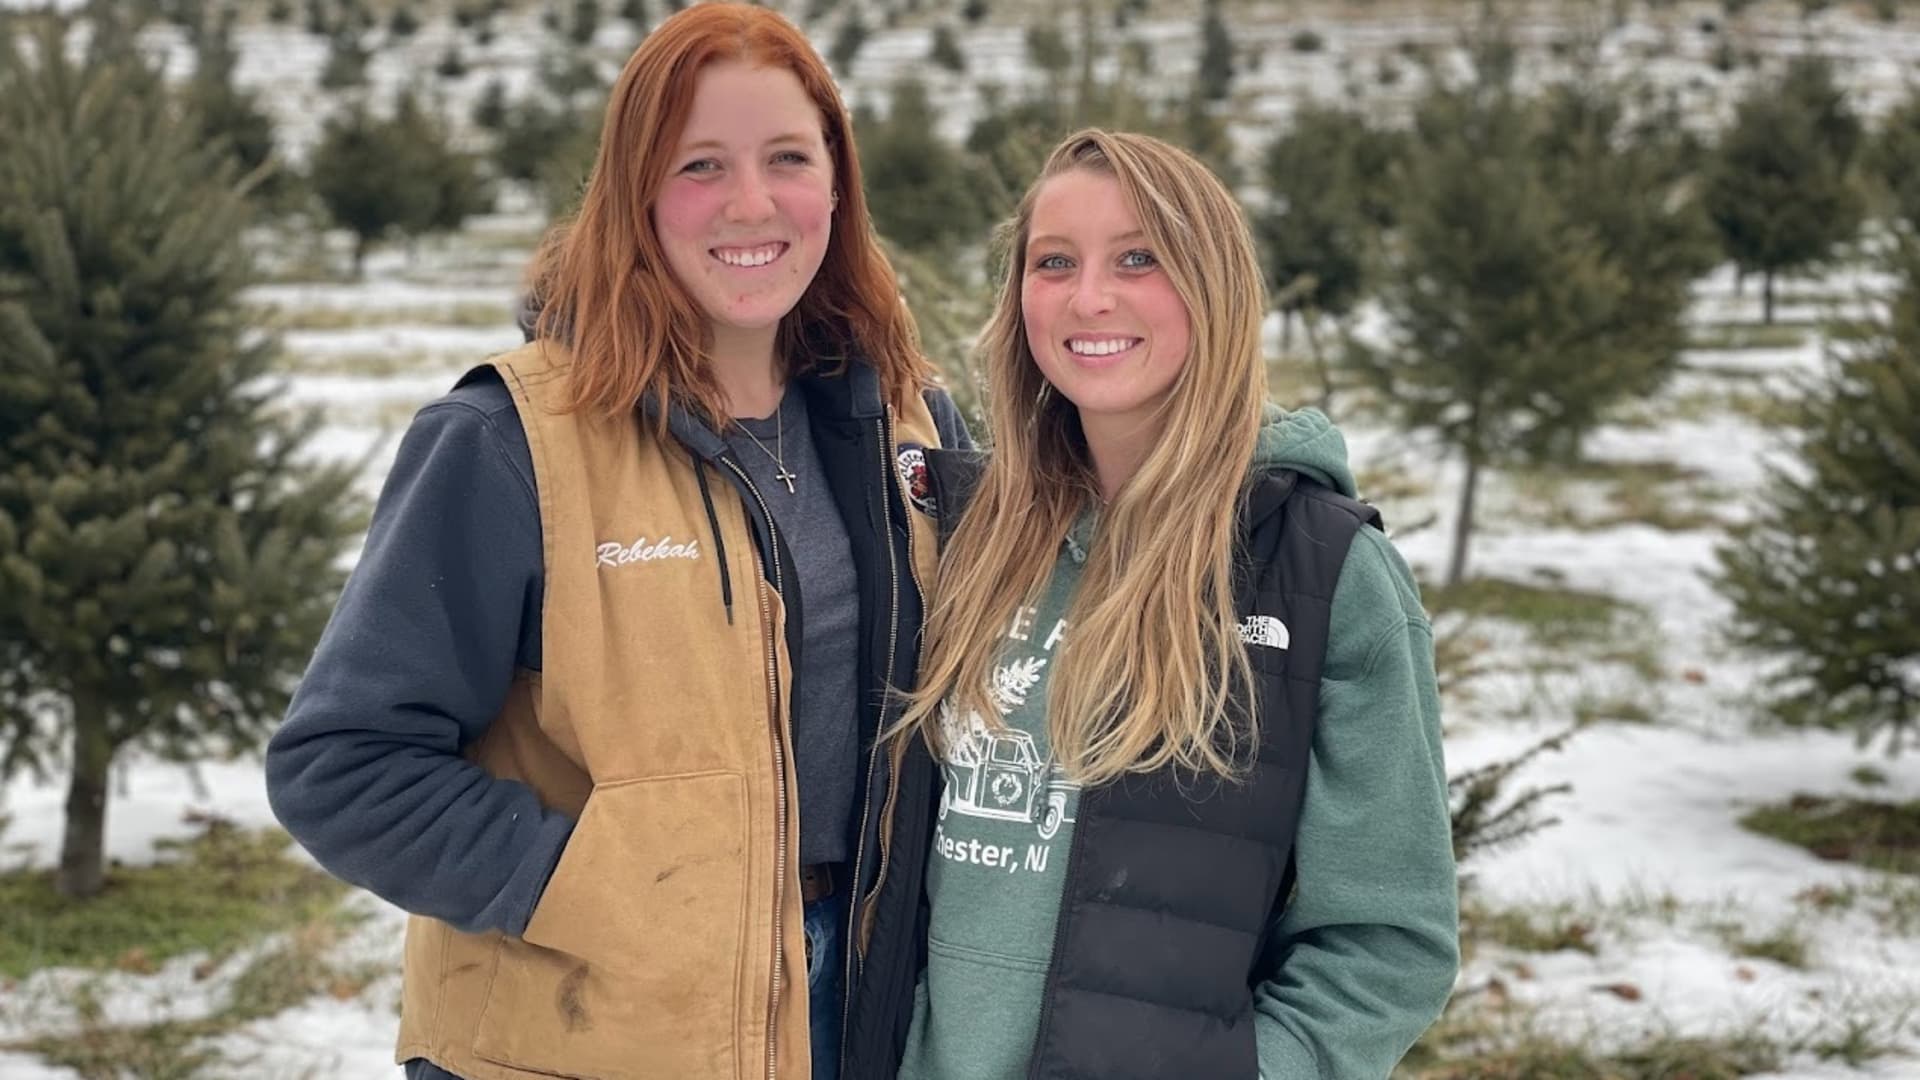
1139,259
1052,262
791,157
700,166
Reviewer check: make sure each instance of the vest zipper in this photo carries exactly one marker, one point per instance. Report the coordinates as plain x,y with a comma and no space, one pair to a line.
1052,986
779,774
913,571
856,955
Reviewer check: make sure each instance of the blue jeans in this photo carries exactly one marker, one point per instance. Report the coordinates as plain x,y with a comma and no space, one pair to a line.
826,927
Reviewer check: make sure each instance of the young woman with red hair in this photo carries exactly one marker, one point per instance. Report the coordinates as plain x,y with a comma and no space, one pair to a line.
600,704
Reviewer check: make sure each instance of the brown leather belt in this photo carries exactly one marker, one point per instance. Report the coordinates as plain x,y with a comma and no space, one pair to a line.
816,881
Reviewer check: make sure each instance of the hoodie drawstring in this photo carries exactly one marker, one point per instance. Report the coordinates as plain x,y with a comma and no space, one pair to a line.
719,544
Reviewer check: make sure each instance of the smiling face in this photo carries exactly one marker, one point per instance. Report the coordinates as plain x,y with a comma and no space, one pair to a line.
1104,322
747,206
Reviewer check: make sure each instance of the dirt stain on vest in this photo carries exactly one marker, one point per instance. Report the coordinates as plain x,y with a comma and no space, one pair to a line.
573,1011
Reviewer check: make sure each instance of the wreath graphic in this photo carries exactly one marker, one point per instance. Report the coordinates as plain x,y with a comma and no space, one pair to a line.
1006,789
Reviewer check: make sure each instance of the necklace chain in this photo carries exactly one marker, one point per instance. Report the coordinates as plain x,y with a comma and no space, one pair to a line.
784,475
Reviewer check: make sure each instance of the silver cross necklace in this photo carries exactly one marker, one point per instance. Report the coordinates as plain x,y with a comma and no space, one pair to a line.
784,475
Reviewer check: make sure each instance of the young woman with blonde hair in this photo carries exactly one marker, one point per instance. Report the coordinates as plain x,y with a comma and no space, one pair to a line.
601,703
1193,820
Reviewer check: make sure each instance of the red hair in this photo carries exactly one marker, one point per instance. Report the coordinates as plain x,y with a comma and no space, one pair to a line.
602,279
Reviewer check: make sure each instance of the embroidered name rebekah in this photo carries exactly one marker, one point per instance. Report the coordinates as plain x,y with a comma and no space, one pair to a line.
614,553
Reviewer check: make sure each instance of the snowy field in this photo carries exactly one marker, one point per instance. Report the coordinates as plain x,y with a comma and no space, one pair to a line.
1647,853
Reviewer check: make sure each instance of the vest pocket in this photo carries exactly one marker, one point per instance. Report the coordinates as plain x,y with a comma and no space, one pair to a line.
629,968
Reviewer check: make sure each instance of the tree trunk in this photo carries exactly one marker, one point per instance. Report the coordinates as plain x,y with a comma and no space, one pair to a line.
1463,523
1308,321
1766,298
1083,94
83,864
360,246
1286,331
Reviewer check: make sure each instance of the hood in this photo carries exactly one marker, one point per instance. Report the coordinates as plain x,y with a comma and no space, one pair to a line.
1306,441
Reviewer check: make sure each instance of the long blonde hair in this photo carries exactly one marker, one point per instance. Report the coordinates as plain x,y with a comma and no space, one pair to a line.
1153,671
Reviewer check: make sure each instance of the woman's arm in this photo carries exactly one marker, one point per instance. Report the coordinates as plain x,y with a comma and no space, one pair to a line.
443,606
1364,957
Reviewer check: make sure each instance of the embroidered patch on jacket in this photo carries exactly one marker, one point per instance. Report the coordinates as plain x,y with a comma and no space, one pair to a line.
1265,630
916,480
615,553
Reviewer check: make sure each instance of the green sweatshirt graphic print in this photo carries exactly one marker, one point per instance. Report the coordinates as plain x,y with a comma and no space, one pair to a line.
1363,958
999,859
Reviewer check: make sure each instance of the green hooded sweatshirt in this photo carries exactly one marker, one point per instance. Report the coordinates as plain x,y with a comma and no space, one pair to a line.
1363,958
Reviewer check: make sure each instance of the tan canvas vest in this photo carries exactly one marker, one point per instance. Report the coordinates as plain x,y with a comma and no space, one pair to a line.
669,941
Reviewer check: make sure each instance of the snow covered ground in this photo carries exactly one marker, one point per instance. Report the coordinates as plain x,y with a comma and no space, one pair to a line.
1647,851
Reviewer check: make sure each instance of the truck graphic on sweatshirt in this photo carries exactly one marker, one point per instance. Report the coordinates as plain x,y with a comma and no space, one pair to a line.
999,773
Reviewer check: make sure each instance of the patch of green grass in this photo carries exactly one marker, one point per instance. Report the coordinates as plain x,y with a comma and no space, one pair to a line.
277,979
1868,776
1495,1045
1673,1057
1732,393
1895,903
1785,945
1742,335
1546,930
215,891
1656,493
1620,710
471,314
175,1050
1556,614
1882,835
1828,898
1860,1040
373,365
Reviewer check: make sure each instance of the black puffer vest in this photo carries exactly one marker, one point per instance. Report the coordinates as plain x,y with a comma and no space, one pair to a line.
1173,882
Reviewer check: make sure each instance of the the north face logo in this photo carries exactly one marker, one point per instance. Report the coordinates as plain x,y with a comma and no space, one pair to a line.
1264,630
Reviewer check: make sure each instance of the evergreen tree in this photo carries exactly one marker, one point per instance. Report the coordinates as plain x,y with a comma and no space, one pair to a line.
1781,185
393,175
1048,51
1329,201
550,147
1605,148
847,42
490,109
347,58
1516,321
460,188
403,23
1009,141
946,50
1215,74
636,14
228,115
452,63
585,22
1895,161
1826,577
921,190
166,556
